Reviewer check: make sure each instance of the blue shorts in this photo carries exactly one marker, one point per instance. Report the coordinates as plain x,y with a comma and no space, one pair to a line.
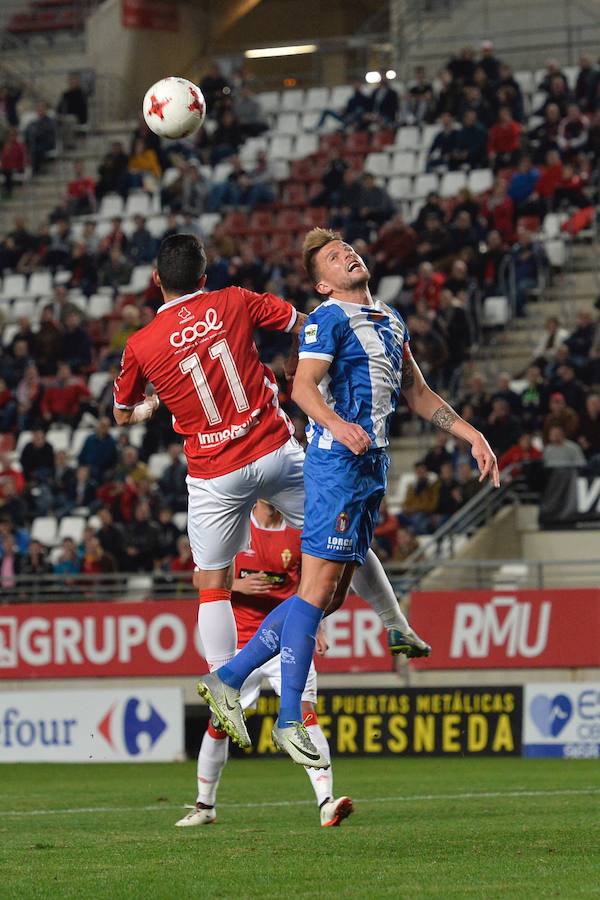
342,494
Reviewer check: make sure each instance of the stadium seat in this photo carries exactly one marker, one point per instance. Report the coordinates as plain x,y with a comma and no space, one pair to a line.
236,223
289,220
71,527
537,100
551,225
378,164
60,437
43,530
157,225
140,279
408,137
180,520
100,305
389,287
495,312
23,308
480,180
222,171
399,187
556,251
157,464
340,96
382,140
403,163
430,132
270,102
316,217
525,80
316,100
357,142
571,73
208,223
451,183
137,204
136,434
288,123
294,195
280,169
309,121
13,286
22,441
292,101
306,145
281,147
425,184
110,206
40,284
262,221
140,587
79,437
97,382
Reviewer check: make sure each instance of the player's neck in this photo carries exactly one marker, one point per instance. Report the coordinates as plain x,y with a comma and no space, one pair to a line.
360,295
266,519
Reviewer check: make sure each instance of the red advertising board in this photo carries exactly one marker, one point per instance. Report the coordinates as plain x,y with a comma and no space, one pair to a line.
154,638
155,15
508,629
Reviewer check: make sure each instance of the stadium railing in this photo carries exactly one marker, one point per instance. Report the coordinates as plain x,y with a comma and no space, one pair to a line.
50,588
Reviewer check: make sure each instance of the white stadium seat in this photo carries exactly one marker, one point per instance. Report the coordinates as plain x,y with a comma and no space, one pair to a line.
425,184
452,182
429,133
525,81
40,284
222,171
140,279
208,223
22,441
157,464
496,312
180,520
111,206
310,120
480,180
340,96
44,530
139,587
138,204
403,163
71,527
551,226
399,187
292,101
316,100
100,305
389,287
556,251
306,145
270,101
281,147
408,137
23,308
78,439
97,382
157,225
378,164
288,123
60,437
14,286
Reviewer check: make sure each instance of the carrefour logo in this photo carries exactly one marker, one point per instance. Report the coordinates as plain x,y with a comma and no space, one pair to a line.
131,728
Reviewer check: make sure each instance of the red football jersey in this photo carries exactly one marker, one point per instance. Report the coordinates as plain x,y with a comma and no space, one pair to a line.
277,553
200,355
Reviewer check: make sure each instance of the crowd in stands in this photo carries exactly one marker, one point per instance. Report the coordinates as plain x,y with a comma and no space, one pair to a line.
446,252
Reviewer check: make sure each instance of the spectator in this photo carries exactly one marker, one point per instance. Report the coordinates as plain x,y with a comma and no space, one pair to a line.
503,428
375,206
37,458
77,348
420,502
113,176
581,339
468,482
386,533
35,562
81,192
470,144
172,482
449,495
548,344
354,112
73,101
11,504
544,137
441,153
528,260
560,414
182,564
573,131
394,249
462,67
458,332
116,271
430,347
489,62
40,138
68,562
248,112
11,563
434,241
140,541
462,235
99,451
498,209
142,246
520,454
96,561
384,104
589,427
566,383
144,168
504,391
438,453
406,545
12,160
215,87
168,535
523,183
65,398
533,398
504,140
109,534
559,452
226,139
419,105
84,269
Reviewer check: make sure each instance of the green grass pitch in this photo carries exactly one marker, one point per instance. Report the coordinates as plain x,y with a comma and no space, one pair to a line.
482,828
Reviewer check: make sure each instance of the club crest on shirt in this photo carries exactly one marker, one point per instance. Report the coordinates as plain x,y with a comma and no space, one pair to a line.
310,333
184,314
342,522
286,558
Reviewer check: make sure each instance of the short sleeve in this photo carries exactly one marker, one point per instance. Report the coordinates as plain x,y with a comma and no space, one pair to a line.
130,383
268,311
321,335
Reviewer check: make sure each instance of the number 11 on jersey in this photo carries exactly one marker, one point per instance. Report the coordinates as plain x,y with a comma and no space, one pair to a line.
192,365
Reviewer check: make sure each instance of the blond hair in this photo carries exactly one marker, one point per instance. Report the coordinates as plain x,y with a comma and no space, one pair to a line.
313,242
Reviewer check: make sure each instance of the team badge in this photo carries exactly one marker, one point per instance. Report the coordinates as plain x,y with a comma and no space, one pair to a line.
310,333
286,558
342,522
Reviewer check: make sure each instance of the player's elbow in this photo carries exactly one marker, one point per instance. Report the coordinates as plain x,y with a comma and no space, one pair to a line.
122,416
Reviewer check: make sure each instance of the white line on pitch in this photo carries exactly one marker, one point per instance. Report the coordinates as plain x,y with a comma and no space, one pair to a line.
411,798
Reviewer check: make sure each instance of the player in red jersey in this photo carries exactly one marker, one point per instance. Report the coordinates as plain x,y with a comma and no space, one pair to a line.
266,574
199,354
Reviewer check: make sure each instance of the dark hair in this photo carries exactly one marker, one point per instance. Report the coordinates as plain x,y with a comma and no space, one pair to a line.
181,262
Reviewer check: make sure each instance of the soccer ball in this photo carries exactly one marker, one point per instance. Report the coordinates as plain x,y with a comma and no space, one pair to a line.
174,108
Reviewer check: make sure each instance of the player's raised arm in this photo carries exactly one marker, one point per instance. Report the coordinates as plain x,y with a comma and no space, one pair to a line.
429,405
306,394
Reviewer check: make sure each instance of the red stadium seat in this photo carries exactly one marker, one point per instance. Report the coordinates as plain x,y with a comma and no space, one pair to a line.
331,141
236,223
294,195
262,221
357,143
316,217
283,242
381,140
260,244
302,170
289,220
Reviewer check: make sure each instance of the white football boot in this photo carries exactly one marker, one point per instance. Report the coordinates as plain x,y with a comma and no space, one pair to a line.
295,740
198,816
335,811
224,702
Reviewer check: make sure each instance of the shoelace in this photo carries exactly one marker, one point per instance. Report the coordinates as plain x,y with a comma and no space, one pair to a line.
303,735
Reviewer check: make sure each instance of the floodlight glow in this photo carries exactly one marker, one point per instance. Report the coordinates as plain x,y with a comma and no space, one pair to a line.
390,74
295,50
372,77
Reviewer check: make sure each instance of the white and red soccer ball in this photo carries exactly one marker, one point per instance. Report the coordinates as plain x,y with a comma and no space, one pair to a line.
174,108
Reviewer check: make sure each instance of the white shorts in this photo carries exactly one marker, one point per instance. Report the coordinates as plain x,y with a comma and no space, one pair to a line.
271,672
219,508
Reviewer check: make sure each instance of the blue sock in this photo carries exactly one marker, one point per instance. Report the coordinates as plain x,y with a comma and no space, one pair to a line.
259,649
297,648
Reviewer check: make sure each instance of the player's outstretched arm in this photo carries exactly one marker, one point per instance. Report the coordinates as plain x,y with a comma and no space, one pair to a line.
306,394
429,405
